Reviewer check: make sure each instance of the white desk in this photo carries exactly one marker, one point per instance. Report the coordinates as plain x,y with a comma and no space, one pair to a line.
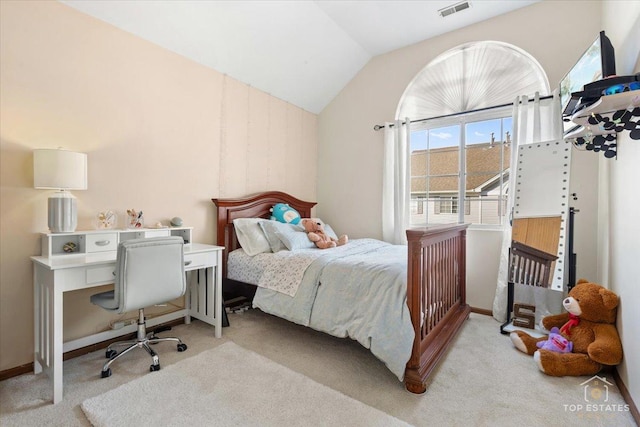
58,274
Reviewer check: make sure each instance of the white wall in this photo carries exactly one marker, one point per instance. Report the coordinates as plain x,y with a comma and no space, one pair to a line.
619,229
483,261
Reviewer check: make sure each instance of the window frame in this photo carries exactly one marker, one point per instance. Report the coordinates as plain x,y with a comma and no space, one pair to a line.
462,119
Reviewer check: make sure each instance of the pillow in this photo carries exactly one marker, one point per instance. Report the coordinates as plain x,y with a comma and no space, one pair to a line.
329,231
250,235
269,230
286,236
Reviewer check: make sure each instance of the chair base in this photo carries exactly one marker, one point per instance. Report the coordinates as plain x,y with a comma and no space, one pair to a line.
143,340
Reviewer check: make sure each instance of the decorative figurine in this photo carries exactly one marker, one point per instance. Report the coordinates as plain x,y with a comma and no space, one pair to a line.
134,219
106,220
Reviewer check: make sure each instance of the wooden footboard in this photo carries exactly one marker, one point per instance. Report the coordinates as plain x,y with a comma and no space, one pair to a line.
436,297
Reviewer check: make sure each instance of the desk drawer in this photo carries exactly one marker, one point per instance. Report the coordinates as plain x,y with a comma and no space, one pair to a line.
101,242
104,274
157,233
196,261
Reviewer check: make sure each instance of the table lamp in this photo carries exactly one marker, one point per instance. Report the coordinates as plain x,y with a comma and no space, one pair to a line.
60,170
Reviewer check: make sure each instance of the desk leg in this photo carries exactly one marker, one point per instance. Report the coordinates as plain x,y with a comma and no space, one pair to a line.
205,297
37,319
187,297
213,299
48,344
217,304
57,344
217,280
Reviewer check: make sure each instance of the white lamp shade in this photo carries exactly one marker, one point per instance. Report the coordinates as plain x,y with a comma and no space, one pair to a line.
59,169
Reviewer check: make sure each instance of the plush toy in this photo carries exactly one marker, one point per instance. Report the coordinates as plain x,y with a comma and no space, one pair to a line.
589,324
284,213
556,342
315,232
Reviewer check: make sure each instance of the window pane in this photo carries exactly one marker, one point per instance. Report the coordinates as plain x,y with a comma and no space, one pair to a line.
487,159
418,140
435,175
482,132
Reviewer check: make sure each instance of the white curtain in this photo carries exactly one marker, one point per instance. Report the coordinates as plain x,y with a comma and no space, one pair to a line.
533,122
396,191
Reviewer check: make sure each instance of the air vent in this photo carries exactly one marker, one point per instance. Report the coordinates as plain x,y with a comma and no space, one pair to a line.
450,10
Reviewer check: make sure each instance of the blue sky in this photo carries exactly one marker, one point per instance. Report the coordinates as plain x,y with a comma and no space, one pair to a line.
477,133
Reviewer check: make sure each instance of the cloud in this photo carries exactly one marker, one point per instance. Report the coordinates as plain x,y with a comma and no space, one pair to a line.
476,133
442,135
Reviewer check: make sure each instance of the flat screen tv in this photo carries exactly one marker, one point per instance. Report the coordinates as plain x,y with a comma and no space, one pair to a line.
596,63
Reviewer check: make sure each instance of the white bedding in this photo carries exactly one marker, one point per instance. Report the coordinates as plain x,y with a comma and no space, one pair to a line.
357,291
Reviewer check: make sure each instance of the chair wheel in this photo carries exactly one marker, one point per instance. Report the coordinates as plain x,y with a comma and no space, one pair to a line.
110,354
182,347
105,374
153,368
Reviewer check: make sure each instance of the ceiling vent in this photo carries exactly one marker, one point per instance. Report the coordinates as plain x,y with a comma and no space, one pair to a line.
450,10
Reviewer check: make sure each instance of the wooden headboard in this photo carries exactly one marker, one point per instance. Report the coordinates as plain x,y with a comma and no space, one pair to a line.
255,206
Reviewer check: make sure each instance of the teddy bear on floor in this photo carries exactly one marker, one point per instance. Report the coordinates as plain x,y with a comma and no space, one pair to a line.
315,232
589,324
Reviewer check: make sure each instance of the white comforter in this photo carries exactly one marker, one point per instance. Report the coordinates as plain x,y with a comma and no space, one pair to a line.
357,291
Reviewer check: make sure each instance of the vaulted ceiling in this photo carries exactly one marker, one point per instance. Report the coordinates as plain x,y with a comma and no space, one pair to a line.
301,51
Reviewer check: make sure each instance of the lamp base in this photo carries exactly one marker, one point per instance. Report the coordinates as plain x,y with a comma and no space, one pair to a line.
63,213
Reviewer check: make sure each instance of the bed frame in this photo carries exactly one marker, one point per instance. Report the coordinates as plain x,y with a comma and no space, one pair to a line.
435,277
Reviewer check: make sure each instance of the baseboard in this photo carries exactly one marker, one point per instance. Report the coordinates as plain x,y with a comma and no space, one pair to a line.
627,396
28,368
482,311
14,372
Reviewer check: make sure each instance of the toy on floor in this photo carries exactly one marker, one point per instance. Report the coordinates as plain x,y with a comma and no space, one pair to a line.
556,342
589,324
315,232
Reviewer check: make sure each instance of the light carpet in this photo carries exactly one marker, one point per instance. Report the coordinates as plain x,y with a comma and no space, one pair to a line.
229,386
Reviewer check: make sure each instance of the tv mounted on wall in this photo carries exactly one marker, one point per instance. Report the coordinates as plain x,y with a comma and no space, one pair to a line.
596,63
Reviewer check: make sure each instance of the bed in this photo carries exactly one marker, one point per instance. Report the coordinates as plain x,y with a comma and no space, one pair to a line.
429,273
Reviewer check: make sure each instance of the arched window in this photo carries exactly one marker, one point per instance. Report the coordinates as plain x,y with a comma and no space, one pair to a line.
460,140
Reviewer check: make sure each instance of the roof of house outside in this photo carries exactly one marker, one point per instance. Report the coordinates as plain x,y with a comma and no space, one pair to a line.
481,160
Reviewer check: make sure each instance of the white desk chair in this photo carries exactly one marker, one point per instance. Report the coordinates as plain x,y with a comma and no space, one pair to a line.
148,271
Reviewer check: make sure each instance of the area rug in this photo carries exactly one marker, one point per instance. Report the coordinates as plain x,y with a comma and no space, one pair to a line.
229,386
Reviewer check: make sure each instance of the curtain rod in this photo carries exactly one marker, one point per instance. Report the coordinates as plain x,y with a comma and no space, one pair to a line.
378,127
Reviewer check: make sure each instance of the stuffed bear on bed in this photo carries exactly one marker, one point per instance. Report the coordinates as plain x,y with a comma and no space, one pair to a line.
315,232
